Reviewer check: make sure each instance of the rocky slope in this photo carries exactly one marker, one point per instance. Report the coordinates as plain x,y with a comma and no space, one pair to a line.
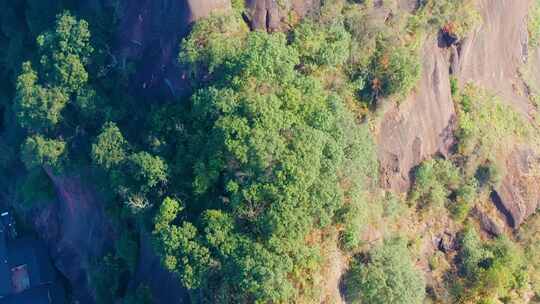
491,56
408,133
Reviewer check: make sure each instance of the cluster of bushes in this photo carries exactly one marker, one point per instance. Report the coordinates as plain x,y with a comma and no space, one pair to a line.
479,138
457,18
529,238
534,23
439,183
387,275
268,149
489,271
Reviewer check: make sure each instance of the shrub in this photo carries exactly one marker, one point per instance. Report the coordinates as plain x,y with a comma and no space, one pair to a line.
321,45
465,197
485,123
434,181
394,70
491,269
457,16
489,174
534,23
39,151
109,149
389,277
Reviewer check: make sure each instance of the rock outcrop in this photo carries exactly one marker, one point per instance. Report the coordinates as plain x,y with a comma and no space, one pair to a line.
492,55
518,196
272,15
420,126
76,231
150,31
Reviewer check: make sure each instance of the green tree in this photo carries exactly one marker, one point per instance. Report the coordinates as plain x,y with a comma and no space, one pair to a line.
180,245
389,277
434,180
146,171
322,45
109,149
42,96
39,151
65,52
394,70
37,108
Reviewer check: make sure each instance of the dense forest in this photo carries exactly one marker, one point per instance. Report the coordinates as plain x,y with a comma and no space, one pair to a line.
254,162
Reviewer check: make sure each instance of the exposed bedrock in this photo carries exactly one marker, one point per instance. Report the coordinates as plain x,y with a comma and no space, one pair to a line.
150,31
420,126
492,57
272,15
76,231
518,196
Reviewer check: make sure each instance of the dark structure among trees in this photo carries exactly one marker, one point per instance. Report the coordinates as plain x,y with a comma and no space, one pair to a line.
26,273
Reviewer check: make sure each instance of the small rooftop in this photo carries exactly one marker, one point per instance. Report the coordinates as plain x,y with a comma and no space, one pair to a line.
26,273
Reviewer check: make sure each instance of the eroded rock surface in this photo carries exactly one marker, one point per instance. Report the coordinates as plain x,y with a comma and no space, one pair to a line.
76,231
272,15
492,54
150,31
518,196
420,126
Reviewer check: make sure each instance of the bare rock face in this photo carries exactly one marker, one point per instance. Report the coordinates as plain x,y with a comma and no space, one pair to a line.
165,286
492,55
150,31
420,126
270,15
491,58
76,230
518,196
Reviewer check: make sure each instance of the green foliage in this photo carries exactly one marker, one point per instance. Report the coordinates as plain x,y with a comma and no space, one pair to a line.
489,174
322,45
435,179
534,23
212,42
38,151
270,154
37,108
146,170
466,195
529,236
394,70
458,17
65,52
491,269
485,123
388,277
109,150
180,246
